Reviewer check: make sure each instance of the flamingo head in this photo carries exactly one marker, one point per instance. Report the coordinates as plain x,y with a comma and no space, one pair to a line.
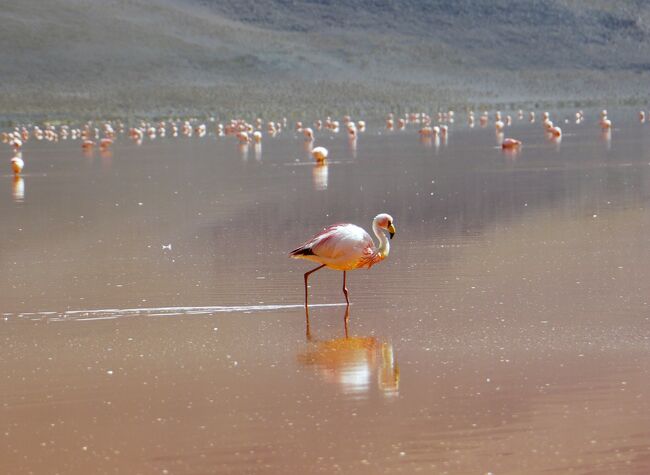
385,221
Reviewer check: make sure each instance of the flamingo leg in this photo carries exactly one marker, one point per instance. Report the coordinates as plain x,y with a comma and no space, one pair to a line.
345,290
346,318
307,328
306,291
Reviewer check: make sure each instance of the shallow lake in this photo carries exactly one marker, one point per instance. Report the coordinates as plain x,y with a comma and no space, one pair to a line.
152,321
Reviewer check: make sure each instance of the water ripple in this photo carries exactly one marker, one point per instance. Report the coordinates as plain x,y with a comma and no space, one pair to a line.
112,313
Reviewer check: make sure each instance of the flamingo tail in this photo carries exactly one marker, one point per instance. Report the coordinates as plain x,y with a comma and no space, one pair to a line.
301,251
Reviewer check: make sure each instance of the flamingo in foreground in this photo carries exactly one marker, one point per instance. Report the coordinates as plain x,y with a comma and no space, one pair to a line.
346,247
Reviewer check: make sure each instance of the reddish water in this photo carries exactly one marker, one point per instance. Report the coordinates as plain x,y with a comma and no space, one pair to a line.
508,332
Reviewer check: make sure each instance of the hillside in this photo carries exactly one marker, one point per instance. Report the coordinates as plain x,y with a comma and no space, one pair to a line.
131,57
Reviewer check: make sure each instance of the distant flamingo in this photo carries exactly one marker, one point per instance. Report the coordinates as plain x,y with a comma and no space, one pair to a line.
17,164
548,125
243,137
352,130
346,247
509,143
425,131
555,132
16,143
320,154
105,143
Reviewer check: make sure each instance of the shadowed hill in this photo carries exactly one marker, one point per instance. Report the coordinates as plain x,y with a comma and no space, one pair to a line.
92,57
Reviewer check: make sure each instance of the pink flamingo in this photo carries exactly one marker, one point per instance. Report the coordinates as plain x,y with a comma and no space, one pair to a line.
105,143
555,132
510,143
17,164
320,154
346,247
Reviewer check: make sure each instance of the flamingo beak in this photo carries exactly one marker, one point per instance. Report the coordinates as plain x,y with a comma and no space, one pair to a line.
391,230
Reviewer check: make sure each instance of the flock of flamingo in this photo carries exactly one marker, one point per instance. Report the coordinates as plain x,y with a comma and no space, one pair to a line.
103,135
341,247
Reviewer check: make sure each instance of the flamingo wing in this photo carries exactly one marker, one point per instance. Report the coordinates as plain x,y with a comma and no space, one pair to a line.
340,246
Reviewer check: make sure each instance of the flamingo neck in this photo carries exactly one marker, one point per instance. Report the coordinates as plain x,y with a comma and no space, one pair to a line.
384,246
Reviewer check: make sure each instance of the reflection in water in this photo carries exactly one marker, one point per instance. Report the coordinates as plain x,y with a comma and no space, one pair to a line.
436,143
107,159
388,375
430,141
243,151
320,176
606,136
352,145
257,150
18,189
352,362
511,152
426,140
557,140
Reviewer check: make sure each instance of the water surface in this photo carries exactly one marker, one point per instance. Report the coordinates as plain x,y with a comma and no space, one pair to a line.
152,322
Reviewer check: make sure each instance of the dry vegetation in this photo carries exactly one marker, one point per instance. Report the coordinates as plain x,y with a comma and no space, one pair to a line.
72,58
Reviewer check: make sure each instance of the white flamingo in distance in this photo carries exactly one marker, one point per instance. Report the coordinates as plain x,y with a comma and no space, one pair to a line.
17,164
320,154
346,247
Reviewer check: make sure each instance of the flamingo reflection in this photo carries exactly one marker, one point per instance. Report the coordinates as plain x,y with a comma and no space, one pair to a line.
353,362
18,189
320,176
243,151
257,150
606,136
352,145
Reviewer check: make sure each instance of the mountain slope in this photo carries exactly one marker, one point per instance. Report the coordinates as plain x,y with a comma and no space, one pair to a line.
94,57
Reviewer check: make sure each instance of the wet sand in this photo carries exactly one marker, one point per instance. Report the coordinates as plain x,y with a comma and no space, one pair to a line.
508,332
